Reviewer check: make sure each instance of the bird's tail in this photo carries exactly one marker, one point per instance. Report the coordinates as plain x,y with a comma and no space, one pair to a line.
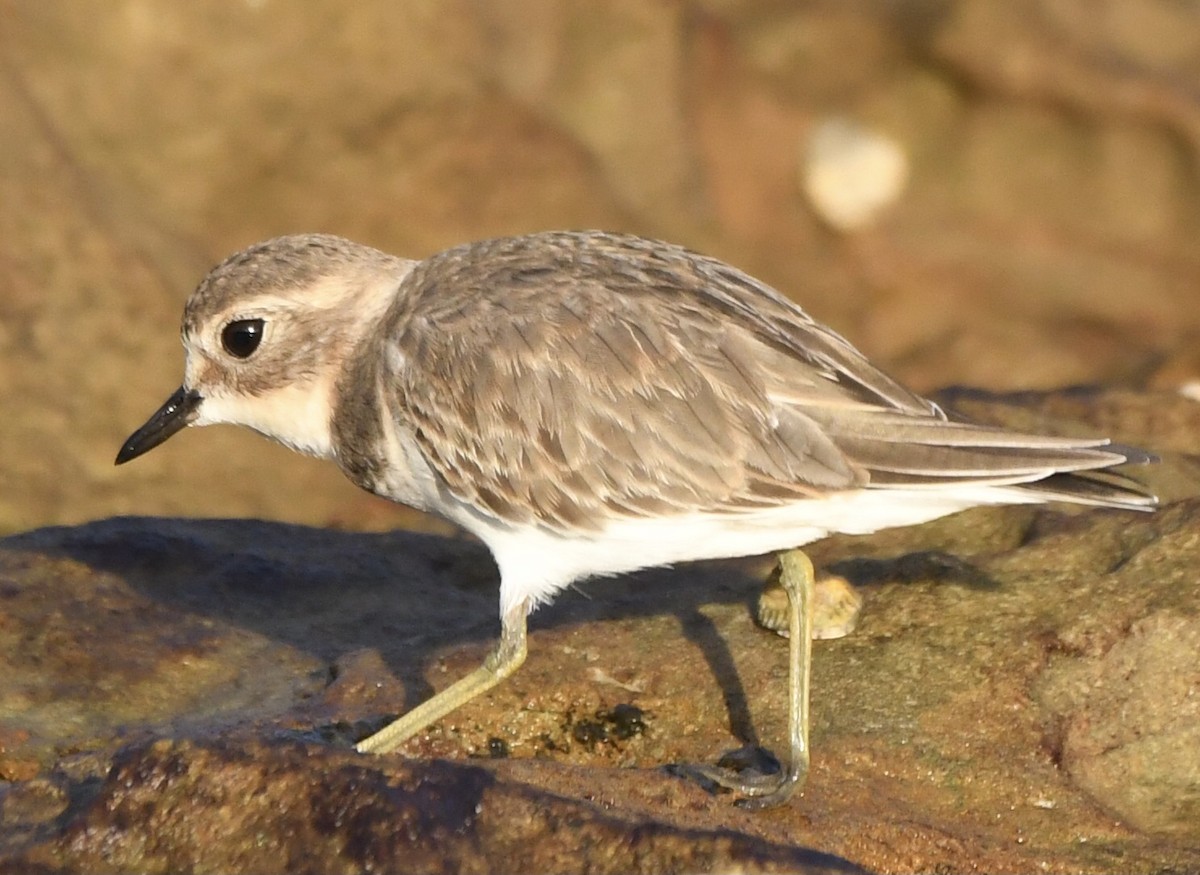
1104,487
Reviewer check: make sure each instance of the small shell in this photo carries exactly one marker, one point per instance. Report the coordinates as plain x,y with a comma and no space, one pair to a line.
836,606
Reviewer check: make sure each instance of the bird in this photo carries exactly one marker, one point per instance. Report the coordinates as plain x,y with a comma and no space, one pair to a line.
590,403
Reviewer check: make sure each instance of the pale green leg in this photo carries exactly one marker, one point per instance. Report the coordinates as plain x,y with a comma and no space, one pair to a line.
500,663
798,578
763,791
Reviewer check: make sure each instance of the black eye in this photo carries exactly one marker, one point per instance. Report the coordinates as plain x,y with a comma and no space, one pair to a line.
241,337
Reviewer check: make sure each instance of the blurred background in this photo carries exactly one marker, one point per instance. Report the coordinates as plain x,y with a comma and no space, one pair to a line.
995,194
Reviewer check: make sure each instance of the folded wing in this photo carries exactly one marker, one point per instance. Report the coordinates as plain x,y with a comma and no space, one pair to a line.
591,375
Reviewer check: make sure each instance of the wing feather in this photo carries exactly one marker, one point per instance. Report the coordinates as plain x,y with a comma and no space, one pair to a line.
565,377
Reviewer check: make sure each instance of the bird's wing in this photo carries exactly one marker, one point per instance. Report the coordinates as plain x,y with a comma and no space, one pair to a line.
569,377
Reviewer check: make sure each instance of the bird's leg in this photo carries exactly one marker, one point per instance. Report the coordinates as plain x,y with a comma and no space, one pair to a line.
797,577
500,663
763,791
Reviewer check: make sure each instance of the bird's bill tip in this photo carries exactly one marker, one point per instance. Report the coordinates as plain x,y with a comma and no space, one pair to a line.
179,411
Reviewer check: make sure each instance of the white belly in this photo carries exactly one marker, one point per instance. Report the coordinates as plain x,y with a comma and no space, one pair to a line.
537,563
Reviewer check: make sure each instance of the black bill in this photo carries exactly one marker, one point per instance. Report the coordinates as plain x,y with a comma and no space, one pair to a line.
176,414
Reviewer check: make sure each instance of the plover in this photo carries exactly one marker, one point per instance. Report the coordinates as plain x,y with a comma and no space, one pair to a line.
590,403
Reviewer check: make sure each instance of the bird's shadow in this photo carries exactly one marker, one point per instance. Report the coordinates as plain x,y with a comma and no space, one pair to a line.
408,595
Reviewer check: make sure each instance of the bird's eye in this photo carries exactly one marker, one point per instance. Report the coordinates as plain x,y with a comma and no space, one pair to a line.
242,337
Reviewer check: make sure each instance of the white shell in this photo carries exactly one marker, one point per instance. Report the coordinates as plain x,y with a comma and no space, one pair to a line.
850,173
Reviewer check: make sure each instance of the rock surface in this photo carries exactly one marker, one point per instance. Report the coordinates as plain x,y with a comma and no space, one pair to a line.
290,807
1021,692
1020,695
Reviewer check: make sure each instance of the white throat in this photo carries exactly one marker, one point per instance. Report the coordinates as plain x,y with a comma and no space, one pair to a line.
298,416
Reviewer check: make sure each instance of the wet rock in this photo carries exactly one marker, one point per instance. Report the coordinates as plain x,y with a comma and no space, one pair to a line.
255,807
134,626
